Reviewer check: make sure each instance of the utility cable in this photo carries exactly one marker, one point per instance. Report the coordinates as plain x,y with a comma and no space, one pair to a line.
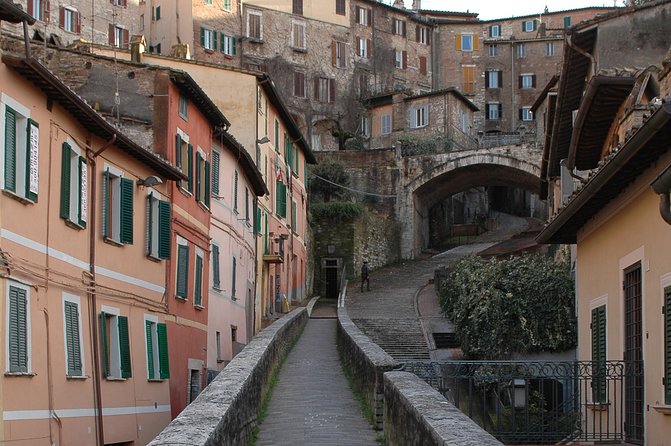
352,190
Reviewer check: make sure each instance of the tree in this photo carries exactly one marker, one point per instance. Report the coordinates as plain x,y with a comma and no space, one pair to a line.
502,307
328,175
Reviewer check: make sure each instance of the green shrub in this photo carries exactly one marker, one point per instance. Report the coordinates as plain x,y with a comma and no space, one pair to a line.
337,210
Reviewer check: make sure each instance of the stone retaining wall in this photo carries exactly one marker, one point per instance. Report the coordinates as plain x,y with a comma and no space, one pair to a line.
416,414
366,364
226,411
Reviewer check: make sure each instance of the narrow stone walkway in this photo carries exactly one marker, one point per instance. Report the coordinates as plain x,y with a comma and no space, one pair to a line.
312,403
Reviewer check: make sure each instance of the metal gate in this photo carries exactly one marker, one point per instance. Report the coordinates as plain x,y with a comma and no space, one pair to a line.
633,355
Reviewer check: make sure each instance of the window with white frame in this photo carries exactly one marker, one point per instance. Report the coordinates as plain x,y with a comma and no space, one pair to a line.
398,59
74,362
340,54
527,81
364,47
182,276
69,19
18,328
198,279
422,35
463,117
521,51
363,16
20,137
226,5
156,343
492,50
419,117
493,111
550,49
117,207
493,78
495,31
255,25
183,107
202,168
385,124
74,185
365,126
158,227
398,27
184,157
467,42
39,9
529,25
115,343
526,114
118,36
228,45
208,38
325,89
298,35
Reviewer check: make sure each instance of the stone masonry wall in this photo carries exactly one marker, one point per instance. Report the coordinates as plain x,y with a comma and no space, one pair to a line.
416,414
225,412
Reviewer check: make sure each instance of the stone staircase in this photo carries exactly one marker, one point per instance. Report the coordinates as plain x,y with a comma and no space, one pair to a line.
402,339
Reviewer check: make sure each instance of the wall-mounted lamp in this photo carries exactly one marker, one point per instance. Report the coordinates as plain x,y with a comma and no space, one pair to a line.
149,181
263,140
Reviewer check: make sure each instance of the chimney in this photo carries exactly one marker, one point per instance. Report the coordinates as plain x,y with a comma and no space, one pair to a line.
181,50
137,47
399,4
416,5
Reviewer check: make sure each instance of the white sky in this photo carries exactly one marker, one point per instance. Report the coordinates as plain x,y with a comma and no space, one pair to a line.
496,9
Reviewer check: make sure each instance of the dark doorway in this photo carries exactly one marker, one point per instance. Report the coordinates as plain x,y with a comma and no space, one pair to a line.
331,279
633,355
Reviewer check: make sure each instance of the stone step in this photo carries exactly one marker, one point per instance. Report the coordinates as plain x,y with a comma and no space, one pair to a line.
402,339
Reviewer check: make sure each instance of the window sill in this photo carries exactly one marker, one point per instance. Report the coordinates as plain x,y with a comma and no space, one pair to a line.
27,374
182,298
114,378
155,380
112,241
184,118
598,407
219,361
198,307
217,289
76,377
153,258
234,298
663,409
184,191
203,206
19,198
299,50
74,225
208,50
254,40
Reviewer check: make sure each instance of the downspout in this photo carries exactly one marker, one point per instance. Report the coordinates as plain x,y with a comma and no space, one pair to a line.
662,187
93,315
512,87
579,50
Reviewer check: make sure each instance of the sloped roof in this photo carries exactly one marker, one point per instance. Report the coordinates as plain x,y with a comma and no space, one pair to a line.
11,12
246,162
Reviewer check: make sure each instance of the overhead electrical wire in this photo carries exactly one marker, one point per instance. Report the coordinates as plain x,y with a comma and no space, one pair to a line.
373,194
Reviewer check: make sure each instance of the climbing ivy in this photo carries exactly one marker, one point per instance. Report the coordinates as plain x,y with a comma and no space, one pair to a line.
502,307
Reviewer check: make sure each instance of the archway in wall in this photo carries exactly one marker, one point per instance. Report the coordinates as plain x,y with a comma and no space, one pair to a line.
462,199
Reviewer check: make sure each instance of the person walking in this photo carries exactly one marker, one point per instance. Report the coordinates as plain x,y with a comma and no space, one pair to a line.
364,276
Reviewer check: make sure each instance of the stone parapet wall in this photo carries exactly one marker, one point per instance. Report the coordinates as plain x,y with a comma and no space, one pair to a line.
226,411
365,363
417,414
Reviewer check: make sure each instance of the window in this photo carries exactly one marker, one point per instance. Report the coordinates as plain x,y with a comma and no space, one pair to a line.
527,81
73,336
294,221
69,19
118,2
365,130
118,36
464,120
208,38
667,346
255,25
550,49
194,384
18,329
419,117
529,25
364,48
184,158
466,42
158,13
567,21
226,4
364,84
203,181
183,107
385,124
598,326
422,65
246,205
228,45
39,9
398,27
526,114
21,144
299,84
277,135
216,279
181,285
298,35
492,50
235,191
142,22
340,7
324,89
494,111
234,267
74,186
158,364
468,74
493,79
115,344
198,280
422,35
216,165
297,7
401,59
495,31
363,16
208,2
280,198
158,227
521,51
117,207
339,54
217,337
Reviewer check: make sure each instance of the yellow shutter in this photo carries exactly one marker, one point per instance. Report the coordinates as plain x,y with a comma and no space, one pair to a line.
476,42
458,42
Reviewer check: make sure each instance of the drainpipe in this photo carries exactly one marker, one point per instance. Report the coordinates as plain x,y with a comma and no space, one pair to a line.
512,87
93,316
662,187
579,50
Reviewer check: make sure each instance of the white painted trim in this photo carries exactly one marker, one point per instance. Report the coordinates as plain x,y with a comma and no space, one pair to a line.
54,253
154,342
110,310
194,364
635,256
183,135
202,152
67,297
26,288
114,171
42,414
182,241
599,301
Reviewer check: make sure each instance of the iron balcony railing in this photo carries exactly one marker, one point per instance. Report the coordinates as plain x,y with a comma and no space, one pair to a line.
551,402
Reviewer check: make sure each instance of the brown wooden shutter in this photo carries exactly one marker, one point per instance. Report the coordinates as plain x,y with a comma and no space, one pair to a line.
61,17
533,81
47,10
333,52
476,42
316,86
519,82
405,59
369,17
458,41
30,8
357,11
358,46
486,79
500,73
110,36
423,65
369,48
78,23
331,90
428,36
126,38
417,31
405,31
393,26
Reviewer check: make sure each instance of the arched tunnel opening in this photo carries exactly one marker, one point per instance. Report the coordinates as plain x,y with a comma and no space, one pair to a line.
467,201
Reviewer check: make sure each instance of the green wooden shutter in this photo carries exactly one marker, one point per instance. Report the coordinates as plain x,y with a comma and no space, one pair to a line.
150,223
18,330
278,197
198,285
164,229
667,346
216,162
72,339
199,160
599,354
235,191
294,226
178,151
182,270
283,196
150,351
257,218
124,347
83,191
104,345
207,184
265,233
66,164
189,153
246,204
31,195
233,44
202,37
126,217
163,359
106,204
216,280
10,149
234,275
